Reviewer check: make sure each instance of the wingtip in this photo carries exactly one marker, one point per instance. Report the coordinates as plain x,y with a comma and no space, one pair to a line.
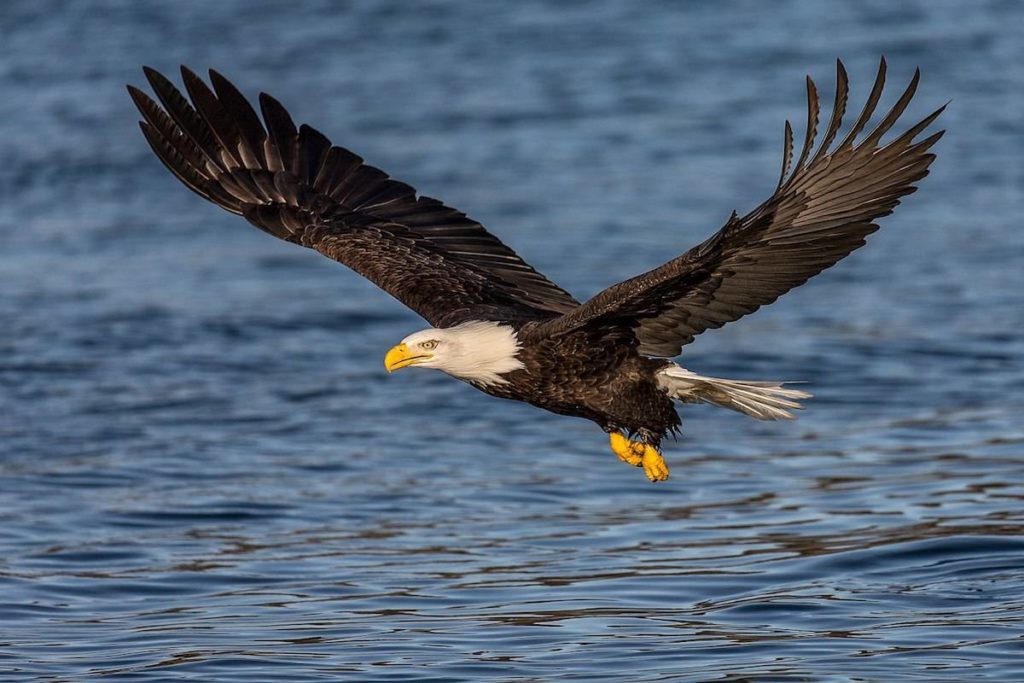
188,74
156,79
221,84
141,100
915,79
267,100
812,88
787,153
151,72
216,76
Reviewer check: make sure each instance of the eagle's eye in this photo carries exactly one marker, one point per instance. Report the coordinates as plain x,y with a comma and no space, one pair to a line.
428,345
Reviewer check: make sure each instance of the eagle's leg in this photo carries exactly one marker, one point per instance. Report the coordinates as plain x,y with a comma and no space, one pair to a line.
639,454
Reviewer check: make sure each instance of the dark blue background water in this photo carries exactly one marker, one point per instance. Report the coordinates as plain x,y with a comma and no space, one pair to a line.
206,474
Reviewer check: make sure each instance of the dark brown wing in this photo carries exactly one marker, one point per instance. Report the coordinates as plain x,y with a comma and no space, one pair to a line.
292,183
818,214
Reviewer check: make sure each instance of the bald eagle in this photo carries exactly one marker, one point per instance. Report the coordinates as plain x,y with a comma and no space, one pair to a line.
496,322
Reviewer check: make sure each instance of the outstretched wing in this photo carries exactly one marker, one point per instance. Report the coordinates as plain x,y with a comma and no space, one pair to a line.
818,214
292,183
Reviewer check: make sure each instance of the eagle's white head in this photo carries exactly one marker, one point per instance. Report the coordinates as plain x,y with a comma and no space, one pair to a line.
477,352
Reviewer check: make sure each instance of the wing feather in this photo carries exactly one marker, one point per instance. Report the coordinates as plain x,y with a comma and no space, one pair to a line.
787,153
812,122
283,136
293,183
820,212
838,111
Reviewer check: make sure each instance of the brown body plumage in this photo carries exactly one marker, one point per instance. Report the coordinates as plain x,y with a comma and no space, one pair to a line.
604,359
578,373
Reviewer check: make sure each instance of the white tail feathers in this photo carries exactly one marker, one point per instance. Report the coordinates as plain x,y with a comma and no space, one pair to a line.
763,400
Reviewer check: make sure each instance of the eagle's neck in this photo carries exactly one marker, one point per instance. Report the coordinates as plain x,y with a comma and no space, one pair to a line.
483,351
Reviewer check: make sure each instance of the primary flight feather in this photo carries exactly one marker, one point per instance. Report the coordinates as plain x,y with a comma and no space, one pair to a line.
499,324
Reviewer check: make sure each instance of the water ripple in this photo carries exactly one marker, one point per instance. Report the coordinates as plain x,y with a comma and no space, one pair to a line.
206,474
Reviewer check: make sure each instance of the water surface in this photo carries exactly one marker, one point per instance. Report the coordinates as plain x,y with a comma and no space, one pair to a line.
206,474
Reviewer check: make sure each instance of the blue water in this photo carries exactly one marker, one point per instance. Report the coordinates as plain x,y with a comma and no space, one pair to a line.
206,474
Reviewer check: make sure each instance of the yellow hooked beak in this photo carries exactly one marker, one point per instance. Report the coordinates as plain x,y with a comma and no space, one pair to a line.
400,356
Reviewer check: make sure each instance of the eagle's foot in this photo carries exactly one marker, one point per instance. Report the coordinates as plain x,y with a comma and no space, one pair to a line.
639,454
629,452
653,464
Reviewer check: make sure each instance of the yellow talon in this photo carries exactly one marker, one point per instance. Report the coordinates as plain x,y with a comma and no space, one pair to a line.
639,454
628,452
653,464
